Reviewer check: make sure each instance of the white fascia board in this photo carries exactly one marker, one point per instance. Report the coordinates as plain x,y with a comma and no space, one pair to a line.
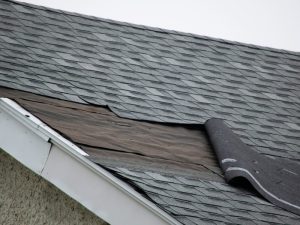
35,125
62,163
17,139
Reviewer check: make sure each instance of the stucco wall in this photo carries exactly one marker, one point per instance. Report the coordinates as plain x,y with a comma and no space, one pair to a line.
26,198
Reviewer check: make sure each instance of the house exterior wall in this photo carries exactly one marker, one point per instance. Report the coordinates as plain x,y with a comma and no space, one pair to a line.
26,198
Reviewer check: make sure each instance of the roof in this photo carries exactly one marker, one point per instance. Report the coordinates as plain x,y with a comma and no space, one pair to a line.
151,74
154,74
172,165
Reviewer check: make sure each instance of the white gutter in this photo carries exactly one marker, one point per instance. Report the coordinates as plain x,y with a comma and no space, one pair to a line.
62,163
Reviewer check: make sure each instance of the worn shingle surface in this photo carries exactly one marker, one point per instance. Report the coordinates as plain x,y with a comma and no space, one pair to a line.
158,75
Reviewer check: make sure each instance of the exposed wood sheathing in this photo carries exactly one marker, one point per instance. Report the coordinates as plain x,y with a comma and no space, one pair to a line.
29,199
108,138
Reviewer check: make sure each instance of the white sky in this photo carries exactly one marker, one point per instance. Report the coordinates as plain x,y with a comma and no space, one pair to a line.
273,23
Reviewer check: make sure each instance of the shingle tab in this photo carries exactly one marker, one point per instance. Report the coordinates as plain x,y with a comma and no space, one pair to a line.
200,98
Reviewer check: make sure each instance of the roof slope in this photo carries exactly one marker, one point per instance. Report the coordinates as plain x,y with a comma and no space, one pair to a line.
184,182
154,74
159,75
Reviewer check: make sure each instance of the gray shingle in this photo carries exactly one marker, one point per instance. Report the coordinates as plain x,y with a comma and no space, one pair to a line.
200,98
232,205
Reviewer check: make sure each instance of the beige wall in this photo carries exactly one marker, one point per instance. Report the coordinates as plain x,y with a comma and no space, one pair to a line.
27,199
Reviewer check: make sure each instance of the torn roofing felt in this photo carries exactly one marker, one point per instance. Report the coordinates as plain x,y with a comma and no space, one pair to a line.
276,179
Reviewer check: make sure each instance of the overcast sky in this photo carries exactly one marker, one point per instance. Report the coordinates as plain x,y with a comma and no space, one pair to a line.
273,23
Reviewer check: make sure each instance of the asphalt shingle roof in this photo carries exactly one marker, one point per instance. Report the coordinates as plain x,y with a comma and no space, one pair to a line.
160,75
153,74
